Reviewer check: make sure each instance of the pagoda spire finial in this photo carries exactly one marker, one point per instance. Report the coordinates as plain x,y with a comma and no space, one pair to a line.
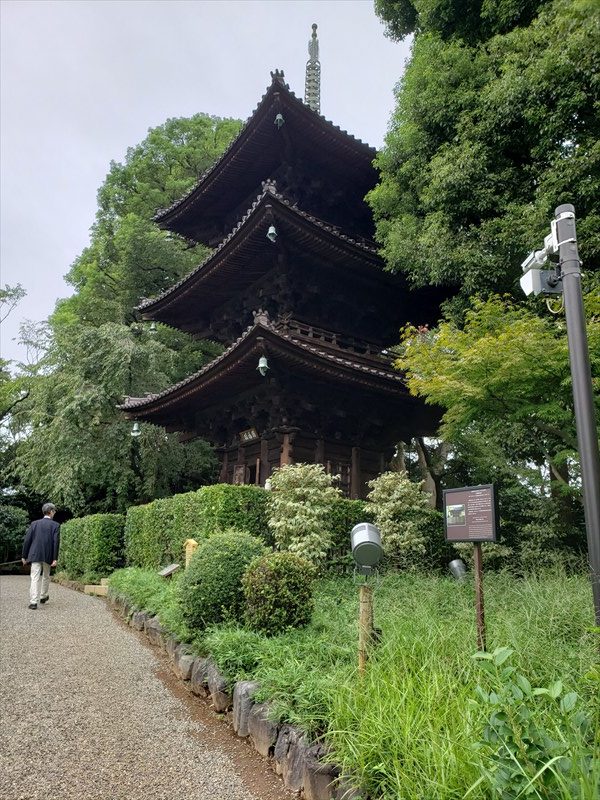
312,86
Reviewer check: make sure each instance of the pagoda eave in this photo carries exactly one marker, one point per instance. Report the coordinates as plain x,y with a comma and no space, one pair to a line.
247,254
310,362
257,151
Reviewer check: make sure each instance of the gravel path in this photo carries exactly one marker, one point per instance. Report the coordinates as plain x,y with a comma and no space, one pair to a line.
83,715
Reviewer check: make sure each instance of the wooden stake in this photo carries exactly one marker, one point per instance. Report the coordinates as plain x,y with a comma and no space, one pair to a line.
365,625
479,596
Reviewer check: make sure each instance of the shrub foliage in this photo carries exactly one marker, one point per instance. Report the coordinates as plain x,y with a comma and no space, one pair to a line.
342,516
225,506
401,513
299,507
91,546
155,533
211,588
278,591
13,522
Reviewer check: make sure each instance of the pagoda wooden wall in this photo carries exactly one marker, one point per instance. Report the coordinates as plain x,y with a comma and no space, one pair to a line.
253,462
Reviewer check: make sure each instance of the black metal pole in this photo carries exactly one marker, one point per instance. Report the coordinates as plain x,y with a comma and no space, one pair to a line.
583,397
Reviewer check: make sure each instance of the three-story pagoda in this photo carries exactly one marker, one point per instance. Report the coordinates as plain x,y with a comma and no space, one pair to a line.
296,291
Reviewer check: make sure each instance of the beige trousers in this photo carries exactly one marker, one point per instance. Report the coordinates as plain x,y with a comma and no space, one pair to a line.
40,581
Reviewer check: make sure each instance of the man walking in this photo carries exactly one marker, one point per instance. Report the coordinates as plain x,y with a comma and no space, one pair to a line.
40,549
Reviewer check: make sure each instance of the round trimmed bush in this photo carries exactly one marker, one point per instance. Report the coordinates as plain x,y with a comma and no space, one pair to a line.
278,592
211,588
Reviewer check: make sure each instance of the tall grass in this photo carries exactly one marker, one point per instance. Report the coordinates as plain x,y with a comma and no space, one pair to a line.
406,728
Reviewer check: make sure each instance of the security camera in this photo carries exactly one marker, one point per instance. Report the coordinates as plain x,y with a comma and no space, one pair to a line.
541,281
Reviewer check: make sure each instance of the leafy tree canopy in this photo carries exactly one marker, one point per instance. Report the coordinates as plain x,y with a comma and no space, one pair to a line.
69,442
490,133
10,296
471,20
129,257
506,373
77,449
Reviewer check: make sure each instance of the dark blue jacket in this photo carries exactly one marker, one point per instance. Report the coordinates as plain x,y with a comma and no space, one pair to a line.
42,541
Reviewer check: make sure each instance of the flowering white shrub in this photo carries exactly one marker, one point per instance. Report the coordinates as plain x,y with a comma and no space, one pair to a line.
299,506
400,510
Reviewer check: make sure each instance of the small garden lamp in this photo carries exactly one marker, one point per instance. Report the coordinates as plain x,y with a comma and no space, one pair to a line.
366,547
458,569
135,431
367,552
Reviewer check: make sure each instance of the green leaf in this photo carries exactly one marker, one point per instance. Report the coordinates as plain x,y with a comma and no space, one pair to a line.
568,702
556,689
523,684
501,654
516,691
483,656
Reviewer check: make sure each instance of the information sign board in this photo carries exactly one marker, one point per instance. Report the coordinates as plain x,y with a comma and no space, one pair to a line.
471,514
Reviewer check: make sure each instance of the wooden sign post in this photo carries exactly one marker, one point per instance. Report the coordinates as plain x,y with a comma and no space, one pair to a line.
365,625
471,515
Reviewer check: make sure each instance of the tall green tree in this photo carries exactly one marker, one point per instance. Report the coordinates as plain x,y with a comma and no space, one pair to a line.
77,449
496,123
502,378
69,442
129,257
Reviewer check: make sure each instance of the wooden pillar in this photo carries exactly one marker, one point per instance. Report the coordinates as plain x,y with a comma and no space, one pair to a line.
320,451
355,477
224,465
286,450
382,463
264,461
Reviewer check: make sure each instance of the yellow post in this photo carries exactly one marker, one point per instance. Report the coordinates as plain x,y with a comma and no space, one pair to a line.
191,545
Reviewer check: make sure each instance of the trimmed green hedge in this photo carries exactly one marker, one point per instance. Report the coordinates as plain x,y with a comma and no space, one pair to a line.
226,506
345,514
155,533
91,547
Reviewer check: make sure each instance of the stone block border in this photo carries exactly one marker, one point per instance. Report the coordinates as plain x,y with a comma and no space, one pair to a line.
301,766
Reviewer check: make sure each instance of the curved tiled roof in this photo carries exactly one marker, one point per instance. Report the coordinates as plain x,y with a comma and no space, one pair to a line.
378,367
279,83
269,191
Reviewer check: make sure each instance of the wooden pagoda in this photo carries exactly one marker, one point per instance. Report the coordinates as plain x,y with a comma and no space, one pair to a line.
297,293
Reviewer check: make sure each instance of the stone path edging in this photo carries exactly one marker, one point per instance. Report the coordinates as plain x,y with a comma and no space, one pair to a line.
300,765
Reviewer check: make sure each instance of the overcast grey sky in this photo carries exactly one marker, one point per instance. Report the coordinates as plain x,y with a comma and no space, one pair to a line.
82,80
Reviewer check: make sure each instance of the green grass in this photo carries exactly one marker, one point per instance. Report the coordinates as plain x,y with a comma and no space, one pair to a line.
406,728
149,592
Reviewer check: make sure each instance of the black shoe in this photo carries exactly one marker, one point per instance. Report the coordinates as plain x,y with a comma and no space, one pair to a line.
44,599
32,606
